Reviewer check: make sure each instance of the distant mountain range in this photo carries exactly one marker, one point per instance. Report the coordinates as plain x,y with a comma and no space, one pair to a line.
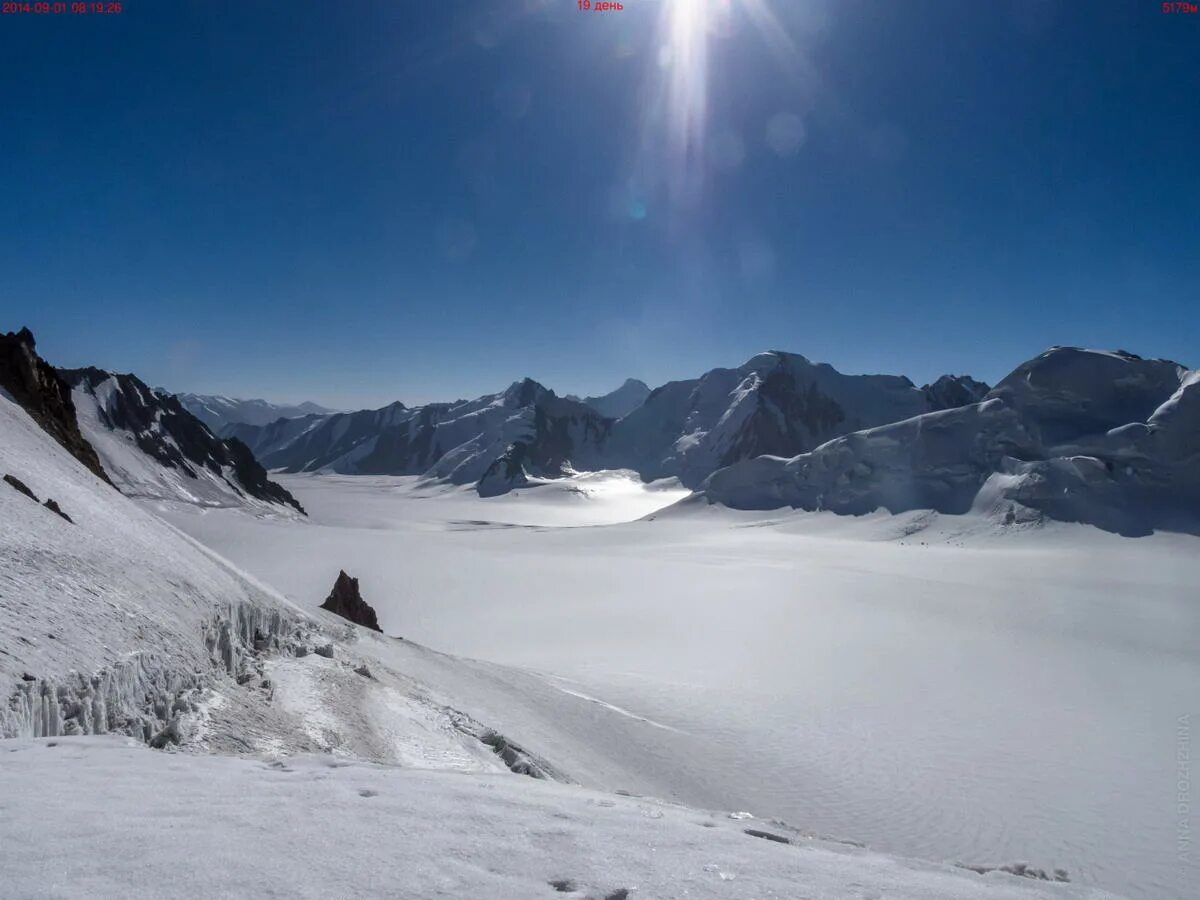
1106,438
776,403
217,412
457,442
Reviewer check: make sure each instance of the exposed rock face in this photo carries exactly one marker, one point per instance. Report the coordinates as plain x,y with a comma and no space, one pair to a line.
505,474
54,508
21,486
38,388
159,426
951,391
346,601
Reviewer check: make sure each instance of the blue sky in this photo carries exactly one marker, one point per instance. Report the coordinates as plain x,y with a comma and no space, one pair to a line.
360,202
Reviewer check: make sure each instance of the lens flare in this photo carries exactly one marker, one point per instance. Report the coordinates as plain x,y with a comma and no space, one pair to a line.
677,115
686,30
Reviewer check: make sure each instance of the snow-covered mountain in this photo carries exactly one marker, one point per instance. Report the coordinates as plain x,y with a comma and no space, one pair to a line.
117,626
619,403
776,403
456,442
217,411
152,447
1106,438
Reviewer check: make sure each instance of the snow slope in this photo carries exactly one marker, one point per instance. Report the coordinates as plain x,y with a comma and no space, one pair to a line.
205,826
937,686
1110,439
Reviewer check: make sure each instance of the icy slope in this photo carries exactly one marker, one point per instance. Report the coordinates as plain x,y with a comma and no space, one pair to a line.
112,621
153,448
207,826
116,622
1104,438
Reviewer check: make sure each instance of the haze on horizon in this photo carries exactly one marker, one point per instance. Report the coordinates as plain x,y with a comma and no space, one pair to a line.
354,204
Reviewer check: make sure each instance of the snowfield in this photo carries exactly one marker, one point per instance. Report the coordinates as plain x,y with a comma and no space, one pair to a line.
114,625
113,819
943,687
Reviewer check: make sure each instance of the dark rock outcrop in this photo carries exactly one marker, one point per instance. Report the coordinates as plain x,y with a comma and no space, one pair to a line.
346,601
506,473
953,391
54,508
22,487
45,395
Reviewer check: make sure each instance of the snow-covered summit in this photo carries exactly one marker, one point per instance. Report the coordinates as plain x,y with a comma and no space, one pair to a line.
1106,438
776,403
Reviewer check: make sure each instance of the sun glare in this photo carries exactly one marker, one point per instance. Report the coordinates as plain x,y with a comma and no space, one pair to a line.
687,30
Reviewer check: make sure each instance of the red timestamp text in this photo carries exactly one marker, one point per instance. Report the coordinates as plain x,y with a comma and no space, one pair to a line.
61,8
1170,8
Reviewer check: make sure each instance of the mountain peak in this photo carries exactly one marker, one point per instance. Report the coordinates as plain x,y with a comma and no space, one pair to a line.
770,358
525,392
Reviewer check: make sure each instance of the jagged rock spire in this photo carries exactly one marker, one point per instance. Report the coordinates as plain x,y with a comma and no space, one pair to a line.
346,601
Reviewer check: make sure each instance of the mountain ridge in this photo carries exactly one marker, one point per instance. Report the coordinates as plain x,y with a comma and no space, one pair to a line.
218,411
131,423
776,402
1106,438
